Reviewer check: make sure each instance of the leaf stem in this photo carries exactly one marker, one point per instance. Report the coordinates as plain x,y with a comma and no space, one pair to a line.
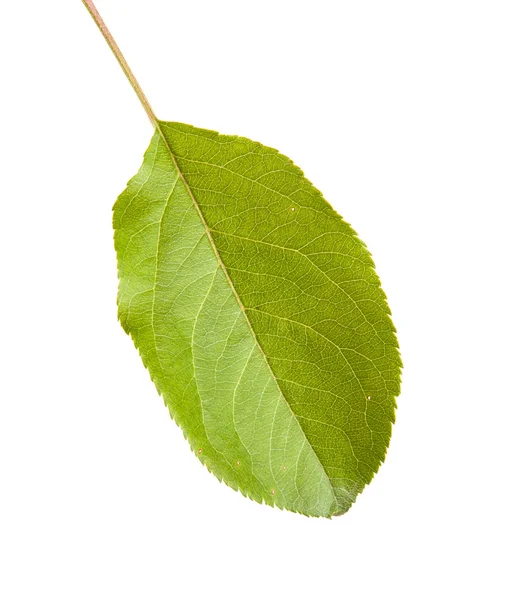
121,59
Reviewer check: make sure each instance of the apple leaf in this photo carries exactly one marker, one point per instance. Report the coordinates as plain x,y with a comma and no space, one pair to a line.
260,317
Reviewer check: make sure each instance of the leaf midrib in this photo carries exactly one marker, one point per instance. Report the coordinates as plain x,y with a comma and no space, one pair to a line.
238,300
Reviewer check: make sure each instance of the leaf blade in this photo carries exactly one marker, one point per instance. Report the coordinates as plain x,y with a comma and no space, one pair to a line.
189,170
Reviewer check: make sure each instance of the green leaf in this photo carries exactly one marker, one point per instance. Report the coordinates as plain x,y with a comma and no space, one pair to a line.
260,317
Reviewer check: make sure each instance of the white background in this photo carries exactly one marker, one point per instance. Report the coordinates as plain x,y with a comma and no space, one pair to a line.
402,113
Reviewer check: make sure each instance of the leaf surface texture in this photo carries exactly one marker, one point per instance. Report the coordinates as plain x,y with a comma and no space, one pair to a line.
260,317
